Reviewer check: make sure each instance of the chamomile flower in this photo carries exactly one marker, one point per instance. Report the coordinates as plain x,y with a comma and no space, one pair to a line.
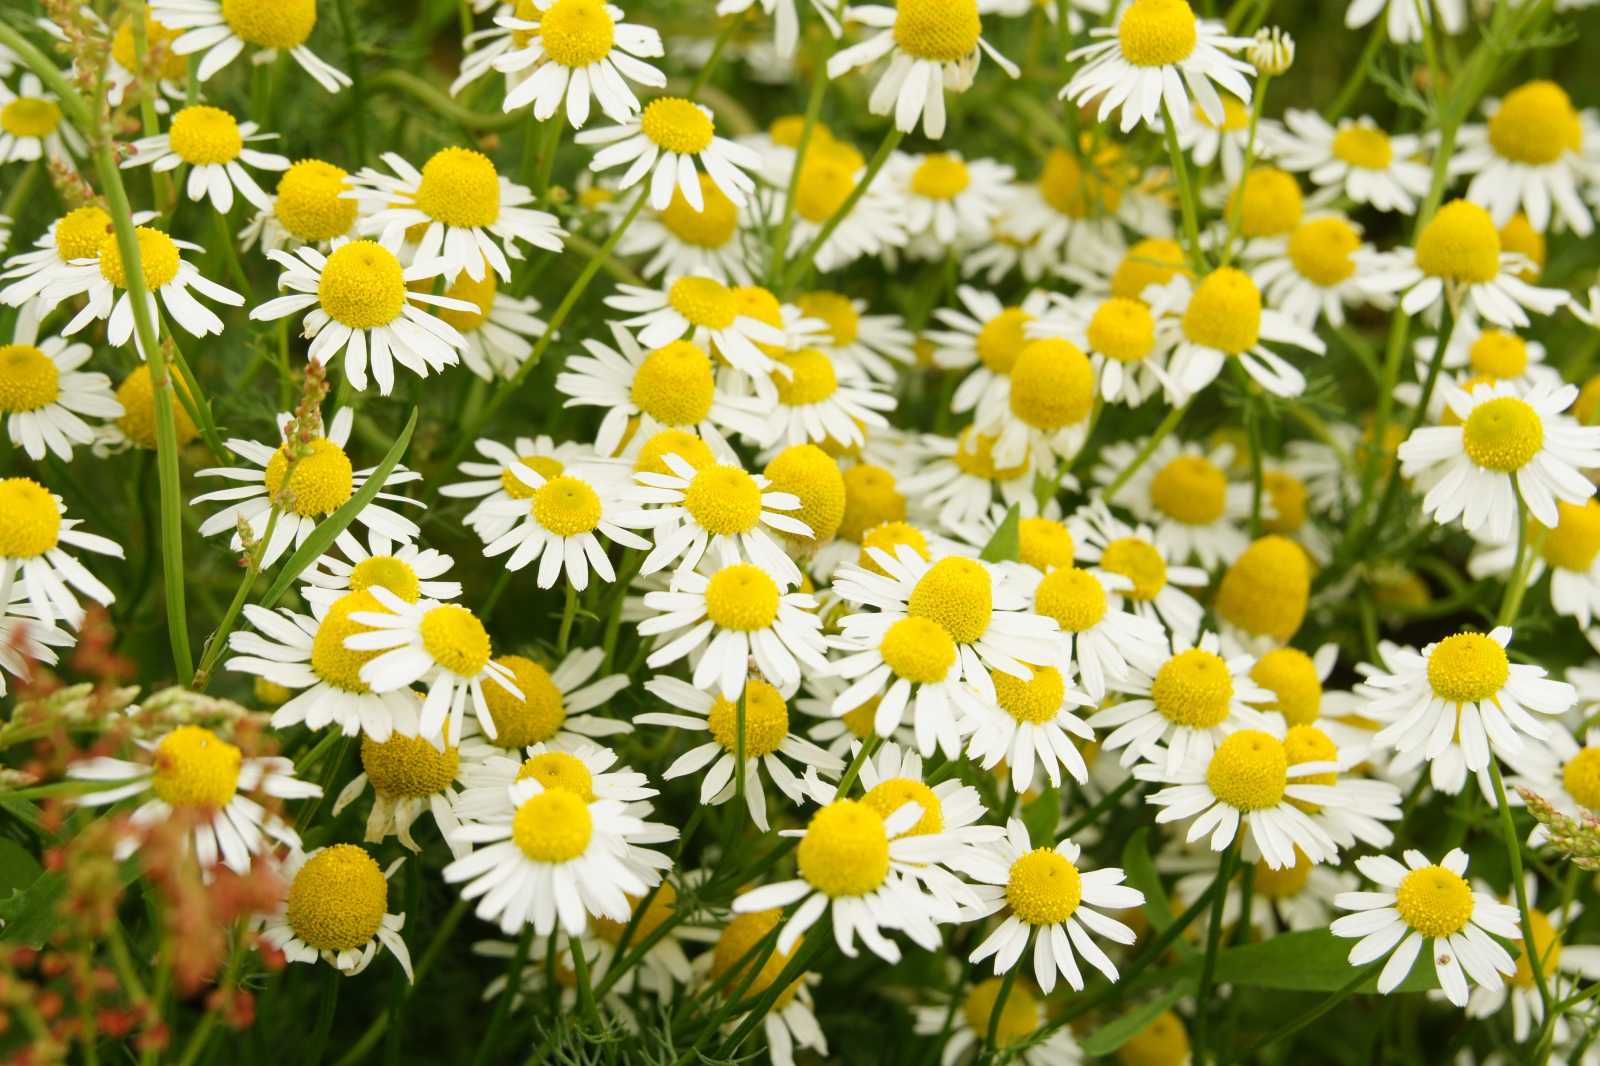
988,336
469,214
498,328
1292,899
24,640
1048,397
194,770
1562,964
496,482
586,771
1428,902
681,240
1098,636
219,31
961,479
1033,718
1137,554
792,1017
550,709
1353,809
405,569
215,146
1154,49
862,345
31,125
338,908
1119,336
827,177
1312,274
32,532
42,392
170,76
1480,354
1406,17
1049,896
1184,491
967,1025
1207,141
76,235
575,47
837,733
949,200
707,314
361,305
1569,551
1358,158
558,518
306,208
815,406
666,139
1530,156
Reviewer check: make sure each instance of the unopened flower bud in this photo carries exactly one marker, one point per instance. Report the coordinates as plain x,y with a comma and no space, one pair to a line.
1273,52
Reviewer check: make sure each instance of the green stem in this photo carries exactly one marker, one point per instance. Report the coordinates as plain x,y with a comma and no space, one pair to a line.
990,1039
549,141
568,613
780,237
502,1007
580,966
1528,545
196,404
424,92
1092,815
352,53
330,770
1208,969
868,746
817,938
20,191
1167,425
802,263
1300,1022
219,640
1180,175
327,1004
1514,852
1358,77
703,75
1236,209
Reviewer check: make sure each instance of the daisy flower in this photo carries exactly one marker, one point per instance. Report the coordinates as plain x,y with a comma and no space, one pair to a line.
585,771
1152,51
766,735
1569,550
785,38
32,531
1562,963
219,31
1312,274
461,204
815,406
306,208
550,709
1119,336
948,199
792,1018
322,482
744,613
360,303
1033,717
1531,155
1293,899
1354,809
495,482
338,908
1229,140
1137,554
404,569
193,770
1098,635
31,126
704,312
681,240
43,392
120,71
24,640
1051,898
1048,397
988,336
828,176
837,733
558,518
961,479
214,145
862,345
667,137
1406,17
1477,355
575,46
1184,491
967,1026
1428,902
76,235
1358,158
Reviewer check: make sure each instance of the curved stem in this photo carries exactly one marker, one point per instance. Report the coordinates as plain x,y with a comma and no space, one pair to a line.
502,1006
1208,969
1180,176
703,75
780,237
1167,425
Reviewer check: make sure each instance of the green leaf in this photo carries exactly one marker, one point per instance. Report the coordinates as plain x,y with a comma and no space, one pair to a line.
1041,817
1311,961
1142,875
27,812
334,524
1108,1038
1006,544
31,914
18,867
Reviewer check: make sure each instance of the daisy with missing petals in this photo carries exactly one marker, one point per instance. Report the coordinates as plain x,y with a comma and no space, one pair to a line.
219,31
214,145
815,406
1503,447
193,770
338,908
559,517
862,345
550,709
1530,155
706,313
766,735
1312,274
495,481
1185,492
667,138
1428,902
1102,539
42,392
744,613
948,199
988,336
1049,896
1357,158
360,304
1155,48
405,569
31,126
575,46
32,531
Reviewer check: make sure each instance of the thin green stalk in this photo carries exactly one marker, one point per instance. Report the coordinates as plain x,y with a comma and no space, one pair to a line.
327,1003
1514,852
352,51
330,770
868,746
818,937
1358,77
549,141
20,191
1236,209
568,613
1208,968
769,944
219,640
1167,425
990,1039
780,236
802,263
502,1006
738,745
703,75
580,966
501,581
1186,199
1528,545
309,759
1092,815
1301,1021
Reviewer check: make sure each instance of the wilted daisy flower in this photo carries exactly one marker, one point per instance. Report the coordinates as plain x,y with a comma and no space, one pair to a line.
219,31
828,175
666,138
681,240
988,337
1313,273
1570,550
1428,902
814,405
42,392
1157,46
1358,158
459,204
1185,492
967,1025
1406,18
194,770
766,736
1098,636
576,46
337,908
948,199
861,344
1119,336
214,146
32,531
405,569
1048,895
1136,554
1529,156
961,479
360,304
306,208
31,126
558,519
76,235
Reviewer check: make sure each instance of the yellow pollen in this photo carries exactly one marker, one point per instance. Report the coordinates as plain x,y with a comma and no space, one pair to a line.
330,659
919,650
545,466
814,379
408,766
1191,489
1249,771
940,177
1074,598
1158,33
1002,339
567,506
1520,236
1225,312
1152,261
1139,562
845,851
958,594
81,232
942,30
840,314
1287,882
676,125
660,909
338,898
1307,743
577,33
1235,115
1266,590
703,301
742,597
1536,124
1272,203
827,178
1434,901
1460,244
738,937
559,770
1123,330
1164,1042
1194,689
533,719
1045,543
1499,355
322,481
158,259
29,380
271,23
870,500
724,500
889,796
1290,675
811,474
456,639
479,293
1581,778
554,826
1467,668
1052,385
203,135
975,457
1288,495
1321,249
1076,191
195,768
1575,541
30,519
1364,147
1037,701
362,286
1503,434
686,446
1018,1018
460,187
308,201
888,537
389,572
766,720
1044,888
173,68
710,228
30,116
527,11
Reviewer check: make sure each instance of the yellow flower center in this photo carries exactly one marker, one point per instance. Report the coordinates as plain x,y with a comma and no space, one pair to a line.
940,177
1307,743
766,720
1499,355
480,293
710,228
1193,688
577,33
567,506
1249,771
1044,543
338,898
362,286
1191,490
1320,250
1285,883
1122,329
1520,236
889,796
1164,1042
29,380
676,125
1235,115
888,537
158,259
408,766
870,500
389,572
1037,700
660,909
1225,312
1548,942
1045,888
975,456
534,718
1157,33
827,178
271,693
1152,261
1467,668
787,130
1288,495
942,30
1460,244
1536,124
1002,339
686,446
559,770
554,826
526,11
203,135
919,650
860,721
845,851
1075,191
814,379
1139,562
837,311
811,474
1434,901
1052,385
123,51
958,594
703,301
460,187
1503,434
1290,675
456,639
322,481
1073,597
271,23
81,232
724,500
196,768
1364,147
1018,1018
1265,592
543,465
308,201
1581,778
30,116
30,519
742,597
737,939
330,659
1575,541
1272,203
675,385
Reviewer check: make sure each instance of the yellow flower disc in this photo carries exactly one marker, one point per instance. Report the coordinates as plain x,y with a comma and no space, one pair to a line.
136,394
840,314
1287,882
555,826
1272,203
738,937
321,482
389,572
1044,888
845,851
1164,1042
675,385
1288,495
1123,330
203,136
676,125
1536,124
30,116
1364,147
30,519
1321,250
811,474
724,500
975,456
1052,385
703,301
1467,668
545,466
1018,1018
408,766
1291,676
813,378
686,446
195,768
940,177
309,205
271,23
478,293
1037,700
870,500
173,68
1498,354
712,227
919,650
1193,688
567,506
1191,489
1547,941
330,659
1249,771
1460,244
890,795
1073,597
827,178
1581,777
1266,591
80,233
361,285
1434,901
1307,743
742,597
29,379
1225,312
660,909
577,33
1152,261
1518,235
958,594
559,770
888,537
1044,543
460,187
158,259
533,719
1158,33
766,720
1575,541
338,899
1503,434
941,30
456,639
1139,562
1075,191
1002,339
